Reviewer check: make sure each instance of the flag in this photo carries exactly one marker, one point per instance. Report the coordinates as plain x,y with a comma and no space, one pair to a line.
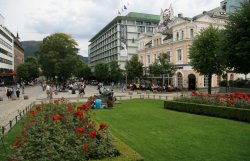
125,7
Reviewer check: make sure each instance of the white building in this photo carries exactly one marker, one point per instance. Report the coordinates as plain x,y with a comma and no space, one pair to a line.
6,53
118,39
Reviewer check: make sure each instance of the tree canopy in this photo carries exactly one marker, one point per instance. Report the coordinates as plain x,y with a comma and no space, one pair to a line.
236,47
205,53
58,56
102,71
134,68
115,71
28,70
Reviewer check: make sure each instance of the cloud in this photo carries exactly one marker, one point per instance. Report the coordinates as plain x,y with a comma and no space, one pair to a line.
35,20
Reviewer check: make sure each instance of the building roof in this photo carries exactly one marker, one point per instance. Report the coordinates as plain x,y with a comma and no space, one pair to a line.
129,16
214,13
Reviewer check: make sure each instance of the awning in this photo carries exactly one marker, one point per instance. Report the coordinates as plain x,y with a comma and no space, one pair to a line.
7,73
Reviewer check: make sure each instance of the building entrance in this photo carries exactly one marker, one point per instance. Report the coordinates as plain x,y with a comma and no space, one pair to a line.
191,82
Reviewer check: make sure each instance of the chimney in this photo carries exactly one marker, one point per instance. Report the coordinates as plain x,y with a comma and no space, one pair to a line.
180,15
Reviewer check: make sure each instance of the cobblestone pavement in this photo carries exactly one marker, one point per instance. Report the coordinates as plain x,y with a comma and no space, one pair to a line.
10,108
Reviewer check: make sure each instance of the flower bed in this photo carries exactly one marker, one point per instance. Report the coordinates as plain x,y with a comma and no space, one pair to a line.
237,99
63,131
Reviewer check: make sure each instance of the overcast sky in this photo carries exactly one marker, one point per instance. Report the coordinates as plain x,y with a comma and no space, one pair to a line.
36,19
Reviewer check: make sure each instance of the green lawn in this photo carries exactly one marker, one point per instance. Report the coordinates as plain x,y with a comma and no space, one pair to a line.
164,135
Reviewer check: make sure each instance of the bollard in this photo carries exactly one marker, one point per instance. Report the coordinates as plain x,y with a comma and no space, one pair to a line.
16,118
3,130
10,124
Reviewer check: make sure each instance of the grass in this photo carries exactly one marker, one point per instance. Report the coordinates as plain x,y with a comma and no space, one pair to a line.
164,135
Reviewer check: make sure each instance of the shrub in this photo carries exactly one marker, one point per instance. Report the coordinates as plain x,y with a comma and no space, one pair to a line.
63,131
210,110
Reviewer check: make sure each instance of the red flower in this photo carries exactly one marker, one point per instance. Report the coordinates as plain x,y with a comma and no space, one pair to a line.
201,94
57,101
102,126
32,112
38,107
57,117
231,102
92,134
88,126
83,107
247,98
69,109
86,147
80,131
79,113
226,95
194,92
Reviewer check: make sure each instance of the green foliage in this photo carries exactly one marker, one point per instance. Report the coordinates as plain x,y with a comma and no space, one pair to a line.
205,55
102,71
30,48
134,68
58,56
162,135
236,45
210,110
163,67
28,70
115,71
82,70
59,131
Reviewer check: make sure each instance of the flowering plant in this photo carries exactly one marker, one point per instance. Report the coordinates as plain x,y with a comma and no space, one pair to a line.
62,131
237,99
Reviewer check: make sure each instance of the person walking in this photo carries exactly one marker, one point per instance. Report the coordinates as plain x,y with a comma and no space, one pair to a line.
18,93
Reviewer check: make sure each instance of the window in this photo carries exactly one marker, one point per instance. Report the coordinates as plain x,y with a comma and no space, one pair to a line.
141,29
179,55
180,80
205,80
148,23
191,33
218,80
177,36
138,22
148,59
150,29
169,56
155,57
182,35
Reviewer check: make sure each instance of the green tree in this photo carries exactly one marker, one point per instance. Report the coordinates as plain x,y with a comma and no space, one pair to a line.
101,71
205,54
134,68
23,72
33,67
236,46
82,70
58,56
115,71
162,67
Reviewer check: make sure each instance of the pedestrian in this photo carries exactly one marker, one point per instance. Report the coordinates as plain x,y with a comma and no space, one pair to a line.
8,93
18,93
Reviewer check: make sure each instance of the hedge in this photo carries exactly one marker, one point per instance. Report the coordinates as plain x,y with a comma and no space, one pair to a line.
126,153
210,110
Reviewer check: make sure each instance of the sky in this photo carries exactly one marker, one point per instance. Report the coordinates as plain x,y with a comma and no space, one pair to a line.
36,19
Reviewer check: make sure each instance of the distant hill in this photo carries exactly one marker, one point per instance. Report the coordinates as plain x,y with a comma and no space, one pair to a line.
30,47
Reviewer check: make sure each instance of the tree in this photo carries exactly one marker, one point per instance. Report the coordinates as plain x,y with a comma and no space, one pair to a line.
82,70
58,56
162,67
236,46
115,71
134,68
205,54
102,71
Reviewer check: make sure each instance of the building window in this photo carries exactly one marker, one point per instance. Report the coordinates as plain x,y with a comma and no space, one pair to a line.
179,80
179,55
177,36
169,56
205,80
191,33
148,23
182,35
148,59
156,57
138,22
141,29
150,29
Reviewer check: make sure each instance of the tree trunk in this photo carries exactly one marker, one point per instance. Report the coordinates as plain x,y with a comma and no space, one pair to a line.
209,83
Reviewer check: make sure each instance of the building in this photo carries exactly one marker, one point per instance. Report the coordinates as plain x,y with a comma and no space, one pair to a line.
118,39
18,52
231,5
176,42
6,54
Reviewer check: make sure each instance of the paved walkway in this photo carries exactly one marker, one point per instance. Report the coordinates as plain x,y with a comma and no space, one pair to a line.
10,108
